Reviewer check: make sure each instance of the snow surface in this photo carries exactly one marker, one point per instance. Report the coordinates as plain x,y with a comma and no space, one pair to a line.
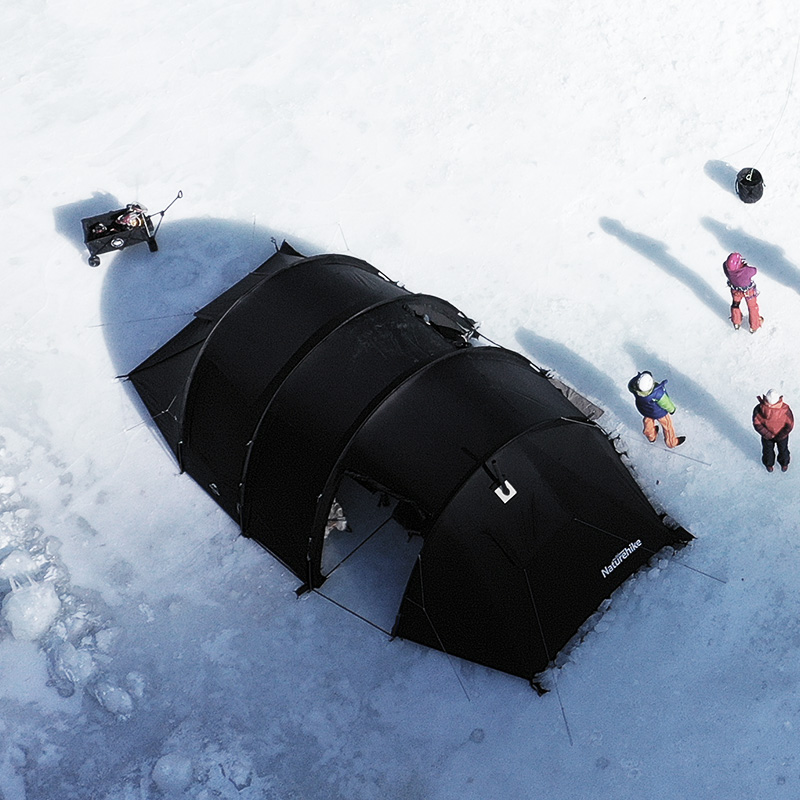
562,171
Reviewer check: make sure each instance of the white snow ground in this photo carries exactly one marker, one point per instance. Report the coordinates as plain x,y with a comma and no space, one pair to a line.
561,171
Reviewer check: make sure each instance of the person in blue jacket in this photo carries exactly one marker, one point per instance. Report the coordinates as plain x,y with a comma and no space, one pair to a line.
655,406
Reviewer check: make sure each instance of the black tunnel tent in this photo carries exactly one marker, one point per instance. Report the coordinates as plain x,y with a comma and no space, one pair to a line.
311,369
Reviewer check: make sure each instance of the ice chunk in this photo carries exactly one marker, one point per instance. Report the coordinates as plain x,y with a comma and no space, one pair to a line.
77,664
106,638
15,527
30,610
172,773
69,666
136,683
113,698
238,773
17,564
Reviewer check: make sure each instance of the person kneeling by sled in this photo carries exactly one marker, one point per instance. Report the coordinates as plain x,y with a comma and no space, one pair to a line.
773,421
740,280
654,404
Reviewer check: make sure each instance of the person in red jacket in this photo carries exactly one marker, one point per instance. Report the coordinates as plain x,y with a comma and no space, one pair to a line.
773,421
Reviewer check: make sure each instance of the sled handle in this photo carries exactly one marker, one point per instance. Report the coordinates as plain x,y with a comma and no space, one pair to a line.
177,197
161,213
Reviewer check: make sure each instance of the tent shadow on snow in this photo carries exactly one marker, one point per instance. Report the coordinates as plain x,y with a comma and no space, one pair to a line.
657,252
148,297
769,258
689,394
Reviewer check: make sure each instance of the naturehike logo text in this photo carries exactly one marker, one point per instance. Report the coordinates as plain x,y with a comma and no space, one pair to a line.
620,557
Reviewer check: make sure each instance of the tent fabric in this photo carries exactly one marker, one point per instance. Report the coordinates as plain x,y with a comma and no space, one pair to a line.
312,369
531,569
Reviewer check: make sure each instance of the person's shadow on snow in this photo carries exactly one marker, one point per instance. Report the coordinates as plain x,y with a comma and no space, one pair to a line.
768,258
578,373
688,394
657,252
722,174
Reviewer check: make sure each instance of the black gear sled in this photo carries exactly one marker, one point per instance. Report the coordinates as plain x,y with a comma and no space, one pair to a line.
121,228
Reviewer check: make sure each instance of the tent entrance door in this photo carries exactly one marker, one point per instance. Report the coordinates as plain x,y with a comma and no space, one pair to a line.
367,566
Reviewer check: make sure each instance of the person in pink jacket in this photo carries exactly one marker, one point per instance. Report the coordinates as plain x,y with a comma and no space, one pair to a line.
740,280
773,421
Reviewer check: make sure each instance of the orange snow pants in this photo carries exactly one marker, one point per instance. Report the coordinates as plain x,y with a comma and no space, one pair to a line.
651,430
751,296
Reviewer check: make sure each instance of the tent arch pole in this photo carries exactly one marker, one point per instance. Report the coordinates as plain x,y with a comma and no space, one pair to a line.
190,377
344,259
292,264
361,312
326,496
314,550
284,378
481,463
